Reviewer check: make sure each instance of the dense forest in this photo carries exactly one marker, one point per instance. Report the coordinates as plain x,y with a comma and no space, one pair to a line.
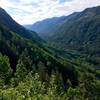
32,69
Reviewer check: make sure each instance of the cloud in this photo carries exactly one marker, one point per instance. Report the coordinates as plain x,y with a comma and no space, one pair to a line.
30,11
62,1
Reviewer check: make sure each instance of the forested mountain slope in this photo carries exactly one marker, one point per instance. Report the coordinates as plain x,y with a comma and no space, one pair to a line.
33,70
80,30
13,45
84,28
48,27
8,22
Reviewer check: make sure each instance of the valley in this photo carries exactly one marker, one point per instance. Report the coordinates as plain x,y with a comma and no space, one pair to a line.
55,59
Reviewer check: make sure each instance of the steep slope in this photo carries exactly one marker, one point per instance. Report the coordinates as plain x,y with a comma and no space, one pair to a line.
8,22
78,31
13,45
46,28
81,31
30,70
55,72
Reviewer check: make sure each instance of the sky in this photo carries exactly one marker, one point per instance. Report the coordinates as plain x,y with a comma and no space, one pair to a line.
31,11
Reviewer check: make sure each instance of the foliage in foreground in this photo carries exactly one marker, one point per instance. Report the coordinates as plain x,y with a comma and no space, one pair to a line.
27,85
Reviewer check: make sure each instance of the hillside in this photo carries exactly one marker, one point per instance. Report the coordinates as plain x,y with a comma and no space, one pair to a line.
13,45
80,30
8,22
38,71
46,27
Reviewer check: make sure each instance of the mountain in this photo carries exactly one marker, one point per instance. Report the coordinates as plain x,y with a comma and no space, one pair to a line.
46,27
15,45
81,27
30,70
7,21
80,30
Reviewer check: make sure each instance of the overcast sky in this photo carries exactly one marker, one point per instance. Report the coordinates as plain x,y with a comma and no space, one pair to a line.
30,11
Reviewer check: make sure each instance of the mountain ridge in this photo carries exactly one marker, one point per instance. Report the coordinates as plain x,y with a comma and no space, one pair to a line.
34,70
38,54
80,30
8,22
